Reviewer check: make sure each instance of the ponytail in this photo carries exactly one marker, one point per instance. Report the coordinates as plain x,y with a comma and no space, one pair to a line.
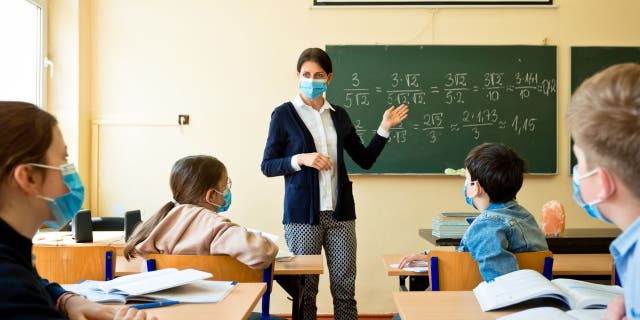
143,230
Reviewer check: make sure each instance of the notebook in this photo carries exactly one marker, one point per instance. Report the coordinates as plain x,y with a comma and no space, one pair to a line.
139,284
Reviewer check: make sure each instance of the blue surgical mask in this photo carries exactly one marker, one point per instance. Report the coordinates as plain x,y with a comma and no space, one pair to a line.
227,200
591,208
66,206
469,200
313,88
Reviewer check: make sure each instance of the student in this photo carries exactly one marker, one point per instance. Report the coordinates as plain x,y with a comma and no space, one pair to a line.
604,120
37,186
307,140
190,224
494,174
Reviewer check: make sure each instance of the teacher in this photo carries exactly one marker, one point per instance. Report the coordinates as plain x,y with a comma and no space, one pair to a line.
306,143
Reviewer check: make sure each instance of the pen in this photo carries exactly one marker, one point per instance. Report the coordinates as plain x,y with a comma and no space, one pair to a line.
155,304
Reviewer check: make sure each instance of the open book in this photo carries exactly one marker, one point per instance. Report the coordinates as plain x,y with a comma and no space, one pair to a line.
556,314
523,285
135,286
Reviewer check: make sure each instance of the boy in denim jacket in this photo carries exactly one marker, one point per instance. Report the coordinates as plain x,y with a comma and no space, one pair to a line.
494,174
604,120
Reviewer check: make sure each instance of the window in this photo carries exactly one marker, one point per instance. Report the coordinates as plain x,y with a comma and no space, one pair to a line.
22,53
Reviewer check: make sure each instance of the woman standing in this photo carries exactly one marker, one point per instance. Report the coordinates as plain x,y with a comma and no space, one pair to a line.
306,144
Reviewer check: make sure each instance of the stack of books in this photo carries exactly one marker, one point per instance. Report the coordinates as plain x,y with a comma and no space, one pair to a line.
452,224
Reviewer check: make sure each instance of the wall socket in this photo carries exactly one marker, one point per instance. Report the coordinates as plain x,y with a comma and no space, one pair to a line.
183,119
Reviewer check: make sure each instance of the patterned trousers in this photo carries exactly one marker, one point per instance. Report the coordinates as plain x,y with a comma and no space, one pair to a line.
338,238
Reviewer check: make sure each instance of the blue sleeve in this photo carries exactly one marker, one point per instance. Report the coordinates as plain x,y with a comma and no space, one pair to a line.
363,156
274,161
487,243
54,289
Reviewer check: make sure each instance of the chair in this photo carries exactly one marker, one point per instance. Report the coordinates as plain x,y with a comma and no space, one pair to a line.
71,264
459,271
223,267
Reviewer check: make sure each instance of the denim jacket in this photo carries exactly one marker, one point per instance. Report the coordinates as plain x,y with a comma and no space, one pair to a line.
497,233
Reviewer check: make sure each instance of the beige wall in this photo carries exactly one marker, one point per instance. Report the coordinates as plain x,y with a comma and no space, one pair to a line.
229,63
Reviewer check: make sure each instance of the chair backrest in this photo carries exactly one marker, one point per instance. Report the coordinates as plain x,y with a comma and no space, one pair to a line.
459,271
131,220
71,264
223,268
107,223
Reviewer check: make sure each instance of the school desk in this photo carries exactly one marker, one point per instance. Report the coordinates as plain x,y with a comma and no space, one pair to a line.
564,265
237,305
65,238
445,305
572,240
291,275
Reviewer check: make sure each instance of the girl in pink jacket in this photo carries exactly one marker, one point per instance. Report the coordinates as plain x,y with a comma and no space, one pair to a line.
189,224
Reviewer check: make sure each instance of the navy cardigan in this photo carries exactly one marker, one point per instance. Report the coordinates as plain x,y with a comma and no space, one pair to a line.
288,136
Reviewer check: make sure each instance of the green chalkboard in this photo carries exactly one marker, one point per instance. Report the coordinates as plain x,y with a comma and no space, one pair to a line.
587,61
459,97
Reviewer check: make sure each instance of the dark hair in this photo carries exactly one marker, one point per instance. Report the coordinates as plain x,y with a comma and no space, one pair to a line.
318,56
191,177
26,132
498,169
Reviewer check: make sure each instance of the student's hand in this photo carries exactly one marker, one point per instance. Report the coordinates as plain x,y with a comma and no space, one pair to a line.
393,116
406,260
315,160
615,309
79,308
126,313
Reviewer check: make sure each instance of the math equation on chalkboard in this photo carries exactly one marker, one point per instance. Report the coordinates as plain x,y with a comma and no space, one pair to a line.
455,90
459,97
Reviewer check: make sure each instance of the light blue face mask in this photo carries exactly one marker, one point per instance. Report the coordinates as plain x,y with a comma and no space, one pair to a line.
227,200
469,200
313,88
66,206
591,208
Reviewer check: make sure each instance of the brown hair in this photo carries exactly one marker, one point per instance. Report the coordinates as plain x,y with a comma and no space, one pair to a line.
26,132
316,55
498,169
191,178
604,120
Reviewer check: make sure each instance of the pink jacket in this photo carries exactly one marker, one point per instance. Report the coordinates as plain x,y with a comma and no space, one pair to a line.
192,230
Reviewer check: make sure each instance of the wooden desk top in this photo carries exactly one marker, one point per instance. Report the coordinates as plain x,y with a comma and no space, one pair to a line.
237,305
442,305
308,264
572,240
388,259
299,265
65,238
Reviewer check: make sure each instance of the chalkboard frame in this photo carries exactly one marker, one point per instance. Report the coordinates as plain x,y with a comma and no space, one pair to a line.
467,3
550,166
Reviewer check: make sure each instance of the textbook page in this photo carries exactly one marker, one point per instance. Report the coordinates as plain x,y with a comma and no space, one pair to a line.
200,291
584,294
145,282
414,266
274,238
515,287
556,314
